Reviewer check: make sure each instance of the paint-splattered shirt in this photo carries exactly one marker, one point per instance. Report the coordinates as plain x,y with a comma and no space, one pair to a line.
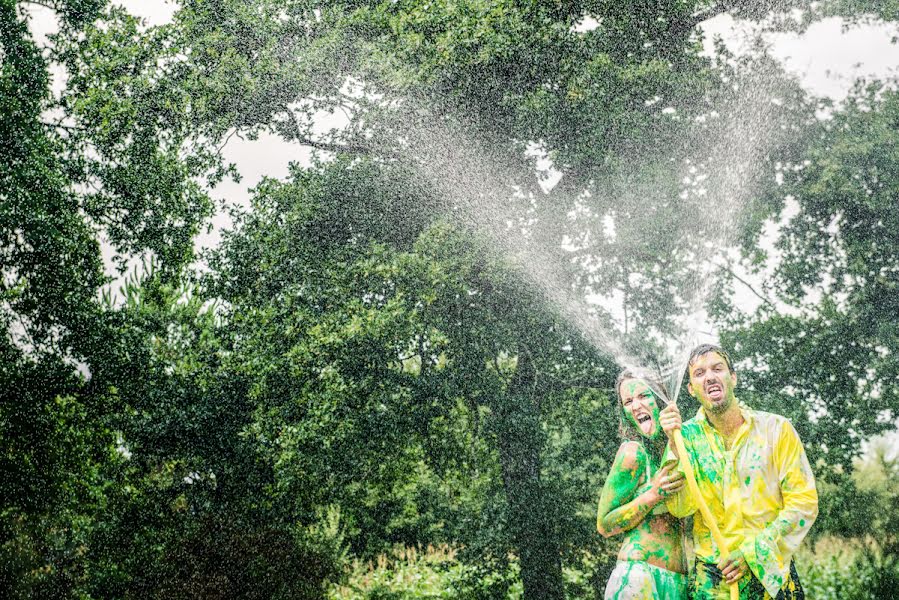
761,492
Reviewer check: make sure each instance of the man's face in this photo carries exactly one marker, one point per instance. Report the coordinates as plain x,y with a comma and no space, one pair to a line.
712,383
640,406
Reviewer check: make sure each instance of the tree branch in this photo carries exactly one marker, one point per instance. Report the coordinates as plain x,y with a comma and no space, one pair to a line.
754,9
65,127
297,135
624,308
332,147
39,3
218,150
758,295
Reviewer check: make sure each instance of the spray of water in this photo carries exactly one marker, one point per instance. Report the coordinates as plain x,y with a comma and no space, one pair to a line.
482,195
495,192
749,130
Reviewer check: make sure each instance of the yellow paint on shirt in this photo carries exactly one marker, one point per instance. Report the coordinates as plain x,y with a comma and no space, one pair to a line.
761,491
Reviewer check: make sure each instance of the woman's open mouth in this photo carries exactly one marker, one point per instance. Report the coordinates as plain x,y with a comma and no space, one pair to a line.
645,423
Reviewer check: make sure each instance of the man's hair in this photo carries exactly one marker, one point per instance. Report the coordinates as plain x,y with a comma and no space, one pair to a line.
705,349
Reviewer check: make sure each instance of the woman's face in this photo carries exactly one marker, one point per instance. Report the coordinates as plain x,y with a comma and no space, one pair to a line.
641,406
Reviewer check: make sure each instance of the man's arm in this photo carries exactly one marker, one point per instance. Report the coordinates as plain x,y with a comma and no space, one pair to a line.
768,553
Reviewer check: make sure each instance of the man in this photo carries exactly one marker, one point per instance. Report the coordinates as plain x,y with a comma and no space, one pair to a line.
754,475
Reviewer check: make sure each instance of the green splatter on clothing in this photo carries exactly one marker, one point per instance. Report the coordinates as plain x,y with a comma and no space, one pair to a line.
766,520
706,584
638,580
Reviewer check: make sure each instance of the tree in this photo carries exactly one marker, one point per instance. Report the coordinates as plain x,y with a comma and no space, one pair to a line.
595,101
371,352
397,343
64,183
832,365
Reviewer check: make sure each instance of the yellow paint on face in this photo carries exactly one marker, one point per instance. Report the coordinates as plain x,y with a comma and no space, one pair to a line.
712,383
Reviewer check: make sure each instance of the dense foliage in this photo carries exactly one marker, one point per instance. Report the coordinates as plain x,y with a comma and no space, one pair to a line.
387,350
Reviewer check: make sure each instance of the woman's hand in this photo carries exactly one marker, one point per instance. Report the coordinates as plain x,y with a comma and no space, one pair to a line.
664,482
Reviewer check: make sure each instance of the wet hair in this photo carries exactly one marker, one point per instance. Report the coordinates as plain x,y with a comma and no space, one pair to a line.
626,429
705,349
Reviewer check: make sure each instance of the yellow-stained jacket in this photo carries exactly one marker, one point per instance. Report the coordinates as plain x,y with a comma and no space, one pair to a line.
761,492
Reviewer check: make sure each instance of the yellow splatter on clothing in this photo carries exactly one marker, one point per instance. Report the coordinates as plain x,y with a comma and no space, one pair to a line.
705,584
761,492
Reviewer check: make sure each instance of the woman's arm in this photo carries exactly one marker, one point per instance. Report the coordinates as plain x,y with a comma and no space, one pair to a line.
620,509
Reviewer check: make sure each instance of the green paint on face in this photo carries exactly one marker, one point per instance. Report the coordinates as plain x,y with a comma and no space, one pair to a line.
802,522
638,402
747,480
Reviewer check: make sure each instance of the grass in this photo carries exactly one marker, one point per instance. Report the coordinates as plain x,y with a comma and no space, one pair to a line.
847,569
832,568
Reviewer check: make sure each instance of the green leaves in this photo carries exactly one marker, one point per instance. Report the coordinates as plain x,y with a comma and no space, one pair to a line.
835,359
133,147
363,364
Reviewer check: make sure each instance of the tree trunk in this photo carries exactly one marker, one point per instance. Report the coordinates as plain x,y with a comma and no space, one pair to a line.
531,518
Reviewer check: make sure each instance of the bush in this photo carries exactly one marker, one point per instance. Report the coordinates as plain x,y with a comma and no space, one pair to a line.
848,570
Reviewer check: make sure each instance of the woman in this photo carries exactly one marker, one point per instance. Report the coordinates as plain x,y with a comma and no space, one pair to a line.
651,561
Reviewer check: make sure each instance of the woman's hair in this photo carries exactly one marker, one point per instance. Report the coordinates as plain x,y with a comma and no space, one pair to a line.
626,429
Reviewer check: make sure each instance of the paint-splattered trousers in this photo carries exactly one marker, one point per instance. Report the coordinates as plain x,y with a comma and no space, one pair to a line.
706,584
638,580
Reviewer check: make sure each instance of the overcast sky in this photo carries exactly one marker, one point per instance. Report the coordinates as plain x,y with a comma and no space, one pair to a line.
826,59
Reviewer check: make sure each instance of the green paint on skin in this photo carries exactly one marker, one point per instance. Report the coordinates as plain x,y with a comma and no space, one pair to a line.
747,479
621,486
637,390
646,536
802,522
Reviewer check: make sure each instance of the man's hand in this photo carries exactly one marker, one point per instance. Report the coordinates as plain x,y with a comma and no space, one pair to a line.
665,483
670,419
733,567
